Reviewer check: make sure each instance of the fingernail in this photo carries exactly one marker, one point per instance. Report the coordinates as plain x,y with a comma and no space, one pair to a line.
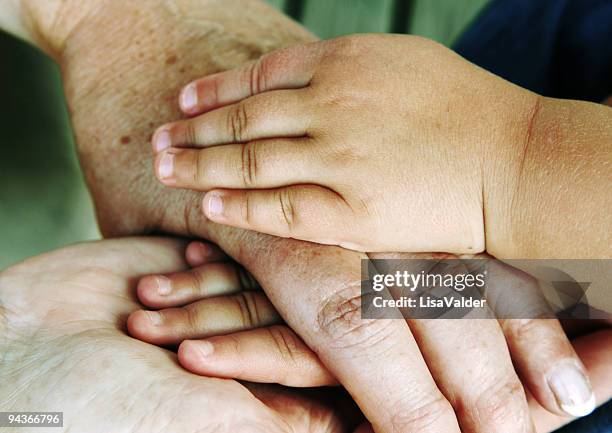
166,165
204,348
215,205
161,140
164,286
155,318
571,389
189,97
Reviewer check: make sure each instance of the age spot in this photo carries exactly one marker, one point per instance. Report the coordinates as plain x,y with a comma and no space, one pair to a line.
171,60
125,139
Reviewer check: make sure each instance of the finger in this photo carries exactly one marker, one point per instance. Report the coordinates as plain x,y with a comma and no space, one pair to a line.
197,253
549,366
283,69
488,396
205,281
595,351
282,113
256,164
214,316
305,212
268,355
377,361
540,349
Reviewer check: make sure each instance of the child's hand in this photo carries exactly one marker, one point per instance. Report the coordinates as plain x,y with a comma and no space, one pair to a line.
375,143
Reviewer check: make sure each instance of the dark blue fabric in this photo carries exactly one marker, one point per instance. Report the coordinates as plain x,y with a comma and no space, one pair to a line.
558,48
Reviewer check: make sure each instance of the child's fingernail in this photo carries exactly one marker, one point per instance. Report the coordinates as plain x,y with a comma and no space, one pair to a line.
189,97
571,389
155,318
165,169
164,285
214,207
161,140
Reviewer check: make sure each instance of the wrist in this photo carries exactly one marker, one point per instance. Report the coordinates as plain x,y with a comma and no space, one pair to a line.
504,171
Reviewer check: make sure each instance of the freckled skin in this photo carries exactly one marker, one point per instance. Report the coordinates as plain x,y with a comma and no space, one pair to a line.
144,93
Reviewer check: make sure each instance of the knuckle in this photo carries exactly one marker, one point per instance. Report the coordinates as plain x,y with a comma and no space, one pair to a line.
199,172
247,307
249,164
238,122
339,320
404,417
349,44
287,208
190,131
258,76
196,281
524,329
285,343
193,318
496,403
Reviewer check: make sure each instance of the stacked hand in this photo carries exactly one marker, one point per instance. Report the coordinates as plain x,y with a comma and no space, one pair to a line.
144,51
374,143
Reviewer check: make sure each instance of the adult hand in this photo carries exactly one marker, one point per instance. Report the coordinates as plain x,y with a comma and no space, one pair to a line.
123,65
322,305
240,336
64,348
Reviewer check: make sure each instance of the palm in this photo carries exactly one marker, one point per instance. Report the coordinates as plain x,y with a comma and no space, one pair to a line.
63,313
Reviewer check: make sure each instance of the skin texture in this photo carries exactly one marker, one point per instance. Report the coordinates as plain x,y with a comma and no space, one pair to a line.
103,380
424,181
489,388
295,138
123,66
87,362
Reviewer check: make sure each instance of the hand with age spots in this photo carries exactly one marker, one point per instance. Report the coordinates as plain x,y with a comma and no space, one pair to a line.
118,84
226,327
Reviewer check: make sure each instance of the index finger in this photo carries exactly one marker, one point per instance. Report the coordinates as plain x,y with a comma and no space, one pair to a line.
289,68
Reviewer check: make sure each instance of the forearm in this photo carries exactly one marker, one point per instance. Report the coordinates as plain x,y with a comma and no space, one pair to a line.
559,205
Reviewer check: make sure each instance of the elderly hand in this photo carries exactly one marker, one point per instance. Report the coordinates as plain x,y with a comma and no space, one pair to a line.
63,348
123,66
319,299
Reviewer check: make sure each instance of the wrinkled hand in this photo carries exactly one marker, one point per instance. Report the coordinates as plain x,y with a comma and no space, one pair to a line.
234,332
64,348
123,67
